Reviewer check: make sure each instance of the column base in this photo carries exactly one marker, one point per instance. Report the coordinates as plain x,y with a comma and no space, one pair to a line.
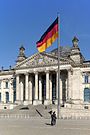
18,102
37,102
27,102
47,102
56,102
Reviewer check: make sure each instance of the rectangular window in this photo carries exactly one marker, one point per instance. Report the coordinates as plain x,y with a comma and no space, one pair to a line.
86,79
87,95
7,97
6,85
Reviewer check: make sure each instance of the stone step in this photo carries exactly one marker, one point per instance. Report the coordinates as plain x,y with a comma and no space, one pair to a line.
43,111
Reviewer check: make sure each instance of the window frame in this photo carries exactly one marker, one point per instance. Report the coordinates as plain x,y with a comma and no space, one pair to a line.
87,95
6,85
7,96
86,79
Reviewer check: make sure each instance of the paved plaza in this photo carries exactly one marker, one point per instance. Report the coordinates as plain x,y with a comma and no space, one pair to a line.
41,126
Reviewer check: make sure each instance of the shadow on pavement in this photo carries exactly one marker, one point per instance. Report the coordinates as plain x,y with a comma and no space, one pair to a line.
48,124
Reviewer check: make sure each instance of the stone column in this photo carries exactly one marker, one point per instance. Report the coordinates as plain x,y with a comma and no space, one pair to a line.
69,86
66,89
2,92
17,89
88,78
61,88
35,102
26,90
30,89
47,101
21,89
11,91
40,89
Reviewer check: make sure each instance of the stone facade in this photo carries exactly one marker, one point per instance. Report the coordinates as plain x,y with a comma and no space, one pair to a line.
34,80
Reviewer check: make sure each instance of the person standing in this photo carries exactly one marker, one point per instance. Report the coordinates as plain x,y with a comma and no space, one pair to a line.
53,118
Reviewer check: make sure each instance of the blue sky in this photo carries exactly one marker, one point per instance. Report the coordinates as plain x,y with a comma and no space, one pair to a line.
24,21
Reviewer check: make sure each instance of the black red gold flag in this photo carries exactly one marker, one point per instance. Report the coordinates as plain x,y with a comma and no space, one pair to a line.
48,37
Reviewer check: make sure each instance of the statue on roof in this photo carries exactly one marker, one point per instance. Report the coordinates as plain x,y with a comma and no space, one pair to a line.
75,42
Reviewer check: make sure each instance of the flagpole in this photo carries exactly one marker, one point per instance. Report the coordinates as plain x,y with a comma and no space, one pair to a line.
58,44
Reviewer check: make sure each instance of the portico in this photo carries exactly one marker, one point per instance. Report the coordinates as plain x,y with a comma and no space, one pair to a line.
42,87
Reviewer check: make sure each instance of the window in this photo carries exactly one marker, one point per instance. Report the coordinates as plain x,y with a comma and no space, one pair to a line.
86,79
7,85
87,95
7,97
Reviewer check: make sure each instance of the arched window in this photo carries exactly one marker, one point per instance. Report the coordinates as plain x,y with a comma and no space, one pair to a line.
7,97
87,95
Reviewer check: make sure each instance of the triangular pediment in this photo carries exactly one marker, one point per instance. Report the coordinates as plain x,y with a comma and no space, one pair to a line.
40,59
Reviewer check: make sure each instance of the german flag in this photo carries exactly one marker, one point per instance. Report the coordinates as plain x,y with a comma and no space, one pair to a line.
48,37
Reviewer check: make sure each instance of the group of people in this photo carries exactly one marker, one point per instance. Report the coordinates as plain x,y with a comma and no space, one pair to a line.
53,118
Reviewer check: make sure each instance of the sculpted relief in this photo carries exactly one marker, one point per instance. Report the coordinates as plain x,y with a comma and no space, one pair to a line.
39,60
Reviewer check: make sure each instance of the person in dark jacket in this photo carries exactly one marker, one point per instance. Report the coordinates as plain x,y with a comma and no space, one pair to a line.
53,118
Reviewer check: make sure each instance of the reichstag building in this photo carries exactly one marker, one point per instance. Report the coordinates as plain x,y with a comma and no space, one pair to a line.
34,80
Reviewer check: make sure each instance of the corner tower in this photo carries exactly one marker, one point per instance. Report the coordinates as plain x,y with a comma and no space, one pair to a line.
76,55
21,55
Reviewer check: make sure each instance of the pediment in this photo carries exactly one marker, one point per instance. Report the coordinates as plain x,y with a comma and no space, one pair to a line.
40,59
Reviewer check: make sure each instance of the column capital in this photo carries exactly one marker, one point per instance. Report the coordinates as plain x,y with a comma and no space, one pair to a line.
35,72
40,77
47,71
17,74
56,70
27,73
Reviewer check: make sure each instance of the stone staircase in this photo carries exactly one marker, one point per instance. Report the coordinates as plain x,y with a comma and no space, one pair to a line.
42,111
29,111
